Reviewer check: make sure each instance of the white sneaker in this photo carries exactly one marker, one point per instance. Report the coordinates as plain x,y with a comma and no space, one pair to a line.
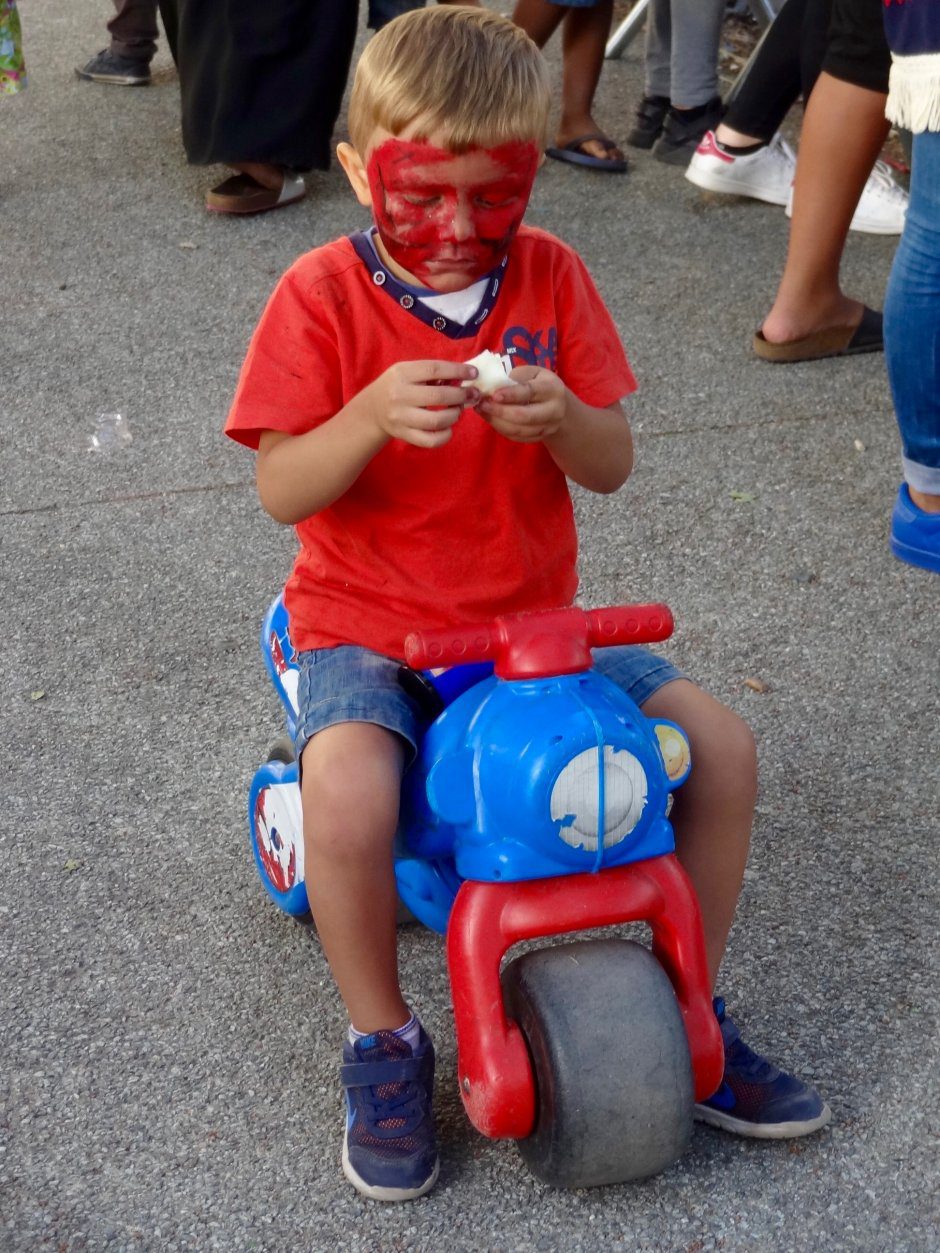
762,175
882,205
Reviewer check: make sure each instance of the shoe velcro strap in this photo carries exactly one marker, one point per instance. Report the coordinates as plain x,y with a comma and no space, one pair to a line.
374,1074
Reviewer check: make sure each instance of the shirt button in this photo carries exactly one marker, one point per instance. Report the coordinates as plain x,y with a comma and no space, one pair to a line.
406,301
378,278
439,324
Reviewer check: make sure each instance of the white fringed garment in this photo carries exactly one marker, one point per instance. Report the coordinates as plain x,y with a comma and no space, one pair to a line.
914,92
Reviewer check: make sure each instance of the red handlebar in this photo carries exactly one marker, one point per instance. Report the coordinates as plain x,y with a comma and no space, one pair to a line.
538,645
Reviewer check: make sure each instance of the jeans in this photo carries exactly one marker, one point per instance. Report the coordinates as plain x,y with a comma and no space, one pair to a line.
912,322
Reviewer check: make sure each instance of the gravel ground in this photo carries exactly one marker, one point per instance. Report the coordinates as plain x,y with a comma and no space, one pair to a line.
169,1040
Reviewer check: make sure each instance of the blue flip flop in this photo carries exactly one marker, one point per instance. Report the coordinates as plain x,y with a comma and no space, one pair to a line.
573,154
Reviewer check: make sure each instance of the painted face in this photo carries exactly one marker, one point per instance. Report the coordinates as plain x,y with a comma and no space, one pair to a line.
449,218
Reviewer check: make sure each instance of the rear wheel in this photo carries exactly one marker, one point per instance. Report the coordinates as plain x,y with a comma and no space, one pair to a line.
611,1060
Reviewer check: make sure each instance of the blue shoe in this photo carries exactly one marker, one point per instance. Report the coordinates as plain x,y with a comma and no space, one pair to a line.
915,534
389,1150
757,1099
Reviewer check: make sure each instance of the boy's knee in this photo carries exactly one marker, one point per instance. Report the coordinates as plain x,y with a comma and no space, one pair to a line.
728,752
351,796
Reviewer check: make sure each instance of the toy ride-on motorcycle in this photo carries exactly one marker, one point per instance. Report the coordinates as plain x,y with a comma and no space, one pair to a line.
537,807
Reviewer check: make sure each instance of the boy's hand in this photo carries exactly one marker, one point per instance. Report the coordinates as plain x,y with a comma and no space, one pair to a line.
532,410
420,401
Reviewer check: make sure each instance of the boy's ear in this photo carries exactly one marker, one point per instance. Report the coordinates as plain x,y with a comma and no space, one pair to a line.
355,171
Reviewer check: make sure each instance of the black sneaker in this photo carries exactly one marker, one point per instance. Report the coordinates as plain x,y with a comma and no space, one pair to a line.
681,133
105,67
650,115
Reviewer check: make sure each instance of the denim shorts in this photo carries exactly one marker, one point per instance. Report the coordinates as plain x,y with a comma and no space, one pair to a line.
353,684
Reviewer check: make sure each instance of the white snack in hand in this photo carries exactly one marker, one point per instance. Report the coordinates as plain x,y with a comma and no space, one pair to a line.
491,373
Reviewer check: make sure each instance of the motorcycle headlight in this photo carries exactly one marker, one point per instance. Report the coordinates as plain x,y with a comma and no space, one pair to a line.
577,797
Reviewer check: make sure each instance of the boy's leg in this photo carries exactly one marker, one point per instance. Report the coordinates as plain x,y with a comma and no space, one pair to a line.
351,787
712,816
713,811
351,782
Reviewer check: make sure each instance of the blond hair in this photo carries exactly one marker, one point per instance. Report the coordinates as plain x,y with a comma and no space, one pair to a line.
466,72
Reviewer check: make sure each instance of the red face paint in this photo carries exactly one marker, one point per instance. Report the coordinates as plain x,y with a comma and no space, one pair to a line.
449,218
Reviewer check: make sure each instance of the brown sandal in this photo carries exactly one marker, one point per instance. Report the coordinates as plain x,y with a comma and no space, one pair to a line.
243,194
834,341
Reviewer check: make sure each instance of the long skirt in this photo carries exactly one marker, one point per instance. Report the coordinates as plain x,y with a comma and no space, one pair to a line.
260,81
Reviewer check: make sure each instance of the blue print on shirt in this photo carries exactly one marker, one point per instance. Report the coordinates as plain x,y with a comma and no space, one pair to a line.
528,348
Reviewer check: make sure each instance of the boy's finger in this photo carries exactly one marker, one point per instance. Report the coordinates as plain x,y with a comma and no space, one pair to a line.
521,393
433,419
446,396
432,371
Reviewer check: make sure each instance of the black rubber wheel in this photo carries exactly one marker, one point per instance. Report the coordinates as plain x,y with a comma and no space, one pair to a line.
614,1081
281,749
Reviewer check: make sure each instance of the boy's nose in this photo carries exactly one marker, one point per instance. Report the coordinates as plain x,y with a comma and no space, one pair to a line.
462,224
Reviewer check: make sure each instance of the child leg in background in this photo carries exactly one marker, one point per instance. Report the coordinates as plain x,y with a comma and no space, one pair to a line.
586,27
680,100
912,352
350,789
712,816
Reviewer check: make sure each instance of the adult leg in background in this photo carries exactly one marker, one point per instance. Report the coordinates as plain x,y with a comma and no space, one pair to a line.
912,327
912,353
694,31
843,133
133,30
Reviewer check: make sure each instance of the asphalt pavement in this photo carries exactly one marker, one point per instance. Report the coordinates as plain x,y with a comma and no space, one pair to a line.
169,1041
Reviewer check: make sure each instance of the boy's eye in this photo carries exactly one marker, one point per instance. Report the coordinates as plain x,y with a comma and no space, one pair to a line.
420,201
495,202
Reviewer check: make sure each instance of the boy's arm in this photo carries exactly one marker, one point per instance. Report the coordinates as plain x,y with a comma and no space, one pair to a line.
592,446
298,475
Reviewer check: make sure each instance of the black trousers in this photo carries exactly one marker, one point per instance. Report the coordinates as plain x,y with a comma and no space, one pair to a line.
843,37
260,82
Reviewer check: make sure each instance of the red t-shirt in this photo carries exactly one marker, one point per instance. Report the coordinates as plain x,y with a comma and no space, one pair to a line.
426,538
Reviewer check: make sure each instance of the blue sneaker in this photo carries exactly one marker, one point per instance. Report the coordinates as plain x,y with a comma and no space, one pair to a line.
915,534
389,1149
757,1099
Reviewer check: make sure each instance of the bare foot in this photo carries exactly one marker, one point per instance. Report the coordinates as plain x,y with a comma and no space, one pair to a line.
267,175
783,326
570,128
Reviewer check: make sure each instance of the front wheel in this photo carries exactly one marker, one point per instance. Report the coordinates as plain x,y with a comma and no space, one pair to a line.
611,1060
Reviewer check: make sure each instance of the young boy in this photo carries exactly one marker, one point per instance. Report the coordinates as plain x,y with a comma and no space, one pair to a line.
419,503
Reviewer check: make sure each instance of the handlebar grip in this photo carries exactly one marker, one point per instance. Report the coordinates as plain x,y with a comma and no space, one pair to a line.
425,650
629,624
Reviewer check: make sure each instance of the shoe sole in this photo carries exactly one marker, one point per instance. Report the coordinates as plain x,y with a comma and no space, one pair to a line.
247,212
920,557
681,155
762,1131
866,230
711,182
115,80
645,142
818,347
385,1194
